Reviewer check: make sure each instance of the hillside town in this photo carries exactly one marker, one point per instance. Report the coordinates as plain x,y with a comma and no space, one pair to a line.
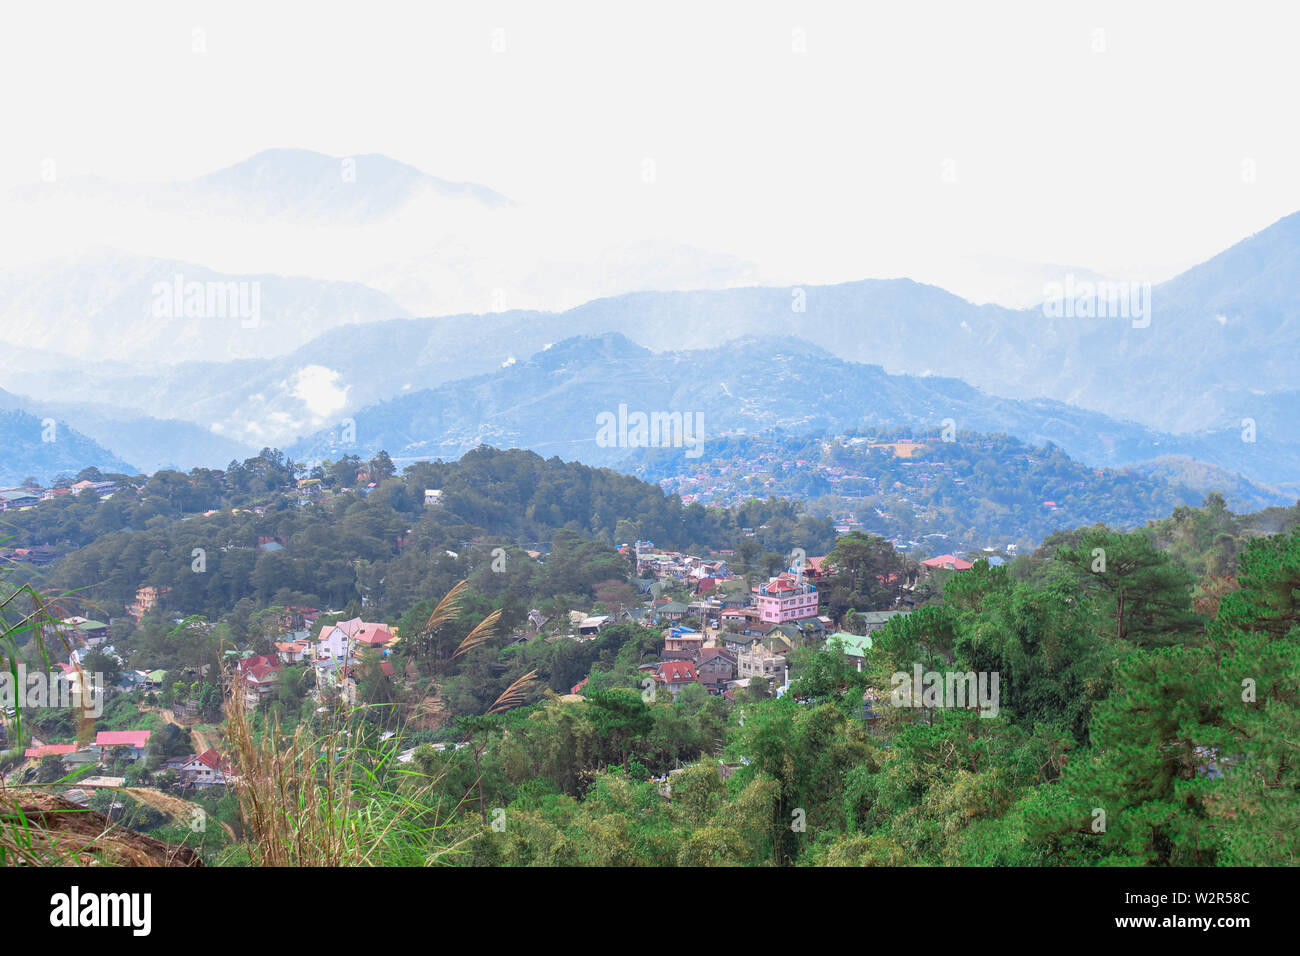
913,491
505,618
717,630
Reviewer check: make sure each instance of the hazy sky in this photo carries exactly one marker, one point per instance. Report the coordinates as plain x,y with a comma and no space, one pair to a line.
1121,137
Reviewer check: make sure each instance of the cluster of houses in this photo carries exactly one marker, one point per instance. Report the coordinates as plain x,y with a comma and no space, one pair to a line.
744,635
334,656
726,637
334,653
731,483
723,660
84,635
108,746
19,499
722,636
655,564
854,480
194,771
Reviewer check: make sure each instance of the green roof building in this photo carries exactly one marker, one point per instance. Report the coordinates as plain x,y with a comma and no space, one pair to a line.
855,645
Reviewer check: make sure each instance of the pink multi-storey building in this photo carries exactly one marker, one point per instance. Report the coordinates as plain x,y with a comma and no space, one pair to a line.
785,598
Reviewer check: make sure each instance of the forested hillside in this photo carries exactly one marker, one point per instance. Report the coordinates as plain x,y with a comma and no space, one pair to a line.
1130,730
343,541
969,492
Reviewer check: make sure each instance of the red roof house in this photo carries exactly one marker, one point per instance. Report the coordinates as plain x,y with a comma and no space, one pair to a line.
373,635
50,750
677,674
948,561
205,770
259,675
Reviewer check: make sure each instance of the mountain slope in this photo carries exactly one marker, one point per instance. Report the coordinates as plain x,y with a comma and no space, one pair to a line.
151,443
115,306
1214,364
434,246
44,448
550,404
979,491
1241,493
250,400
286,185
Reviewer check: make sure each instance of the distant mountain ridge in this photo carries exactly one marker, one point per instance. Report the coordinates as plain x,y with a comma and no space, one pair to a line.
150,443
45,448
1211,362
549,403
108,305
297,185
1243,495
1187,371
432,245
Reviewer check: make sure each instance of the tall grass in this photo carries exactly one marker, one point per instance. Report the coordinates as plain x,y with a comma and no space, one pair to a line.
31,830
335,797
26,617
332,796
327,799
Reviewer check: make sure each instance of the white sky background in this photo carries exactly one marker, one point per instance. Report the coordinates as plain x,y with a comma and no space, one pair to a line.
821,166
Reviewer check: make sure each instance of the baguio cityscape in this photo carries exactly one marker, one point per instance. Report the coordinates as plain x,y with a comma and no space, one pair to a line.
772,436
